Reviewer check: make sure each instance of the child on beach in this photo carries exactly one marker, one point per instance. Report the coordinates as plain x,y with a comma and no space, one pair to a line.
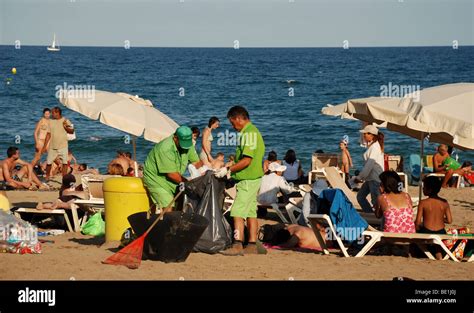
346,158
433,212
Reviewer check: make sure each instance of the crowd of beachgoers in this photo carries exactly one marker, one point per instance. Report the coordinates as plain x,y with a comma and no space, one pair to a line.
259,181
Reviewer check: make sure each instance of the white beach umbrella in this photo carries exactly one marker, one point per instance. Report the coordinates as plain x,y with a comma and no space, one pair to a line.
444,114
122,111
337,110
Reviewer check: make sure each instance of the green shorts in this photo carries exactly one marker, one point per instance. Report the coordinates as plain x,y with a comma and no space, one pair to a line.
245,203
161,197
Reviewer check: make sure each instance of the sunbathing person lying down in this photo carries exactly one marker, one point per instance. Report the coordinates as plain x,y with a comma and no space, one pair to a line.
300,237
67,194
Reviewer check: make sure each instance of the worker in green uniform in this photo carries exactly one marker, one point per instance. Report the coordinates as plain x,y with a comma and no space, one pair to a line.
247,172
166,163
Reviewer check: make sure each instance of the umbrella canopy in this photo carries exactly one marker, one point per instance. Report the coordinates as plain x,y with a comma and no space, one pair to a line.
444,112
337,110
125,112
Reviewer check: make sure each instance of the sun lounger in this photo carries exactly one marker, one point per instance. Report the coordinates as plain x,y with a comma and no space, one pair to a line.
440,175
376,236
280,208
62,212
94,202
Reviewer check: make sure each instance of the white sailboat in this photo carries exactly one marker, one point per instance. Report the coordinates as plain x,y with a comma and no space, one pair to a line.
54,47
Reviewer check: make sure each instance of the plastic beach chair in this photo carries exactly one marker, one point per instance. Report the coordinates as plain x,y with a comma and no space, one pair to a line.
375,236
62,212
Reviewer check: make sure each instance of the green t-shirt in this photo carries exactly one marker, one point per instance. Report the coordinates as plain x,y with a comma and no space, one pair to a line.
250,144
165,158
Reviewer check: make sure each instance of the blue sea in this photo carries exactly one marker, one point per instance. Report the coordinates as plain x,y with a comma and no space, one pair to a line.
215,79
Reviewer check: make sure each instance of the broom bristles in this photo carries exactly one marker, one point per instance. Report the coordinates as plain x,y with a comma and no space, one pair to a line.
130,256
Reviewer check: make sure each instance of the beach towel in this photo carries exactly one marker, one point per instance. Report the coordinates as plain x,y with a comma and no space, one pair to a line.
348,223
298,249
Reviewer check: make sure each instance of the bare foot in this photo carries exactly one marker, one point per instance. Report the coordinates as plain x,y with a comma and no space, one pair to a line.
43,186
40,206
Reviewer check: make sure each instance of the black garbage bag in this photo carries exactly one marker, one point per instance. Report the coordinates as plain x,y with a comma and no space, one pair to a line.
205,196
173,238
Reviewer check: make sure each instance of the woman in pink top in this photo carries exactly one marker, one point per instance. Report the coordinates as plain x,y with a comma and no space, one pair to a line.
394,205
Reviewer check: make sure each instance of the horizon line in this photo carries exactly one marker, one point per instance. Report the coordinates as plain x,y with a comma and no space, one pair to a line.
248,47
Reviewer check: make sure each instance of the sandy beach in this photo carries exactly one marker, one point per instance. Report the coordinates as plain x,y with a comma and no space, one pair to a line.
75,256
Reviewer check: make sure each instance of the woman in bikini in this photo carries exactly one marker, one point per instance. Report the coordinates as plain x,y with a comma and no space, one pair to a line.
42,128
394,205
205,155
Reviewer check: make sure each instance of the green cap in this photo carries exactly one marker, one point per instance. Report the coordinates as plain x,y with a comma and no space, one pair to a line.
185,137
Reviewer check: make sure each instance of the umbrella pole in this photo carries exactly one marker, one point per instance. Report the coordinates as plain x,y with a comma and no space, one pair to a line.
422,151
134,142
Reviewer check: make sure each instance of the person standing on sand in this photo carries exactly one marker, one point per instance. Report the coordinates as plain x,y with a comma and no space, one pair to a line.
373,167
247,172
166,163
41,130
346,158
56,141
205,155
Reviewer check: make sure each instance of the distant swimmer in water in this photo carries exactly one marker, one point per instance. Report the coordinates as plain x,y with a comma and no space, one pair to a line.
290,81
42,128
92,138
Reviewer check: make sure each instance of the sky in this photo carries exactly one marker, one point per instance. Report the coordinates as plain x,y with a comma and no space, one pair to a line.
254,23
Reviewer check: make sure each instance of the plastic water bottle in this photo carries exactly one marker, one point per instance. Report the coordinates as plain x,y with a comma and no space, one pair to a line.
462,185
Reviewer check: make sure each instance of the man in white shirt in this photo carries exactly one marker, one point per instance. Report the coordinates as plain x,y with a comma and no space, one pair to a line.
273,183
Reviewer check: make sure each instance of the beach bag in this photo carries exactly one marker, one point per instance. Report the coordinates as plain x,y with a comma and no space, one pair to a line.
72,136
459,245
451,163
95,226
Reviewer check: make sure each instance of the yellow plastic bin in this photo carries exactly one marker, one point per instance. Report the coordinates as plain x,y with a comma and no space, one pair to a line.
4,203
123,196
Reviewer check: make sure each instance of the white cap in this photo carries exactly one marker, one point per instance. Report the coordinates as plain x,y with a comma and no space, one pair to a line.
370,129
275,167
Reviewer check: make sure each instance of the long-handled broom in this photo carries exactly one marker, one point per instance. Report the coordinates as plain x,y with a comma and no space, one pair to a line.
131,255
